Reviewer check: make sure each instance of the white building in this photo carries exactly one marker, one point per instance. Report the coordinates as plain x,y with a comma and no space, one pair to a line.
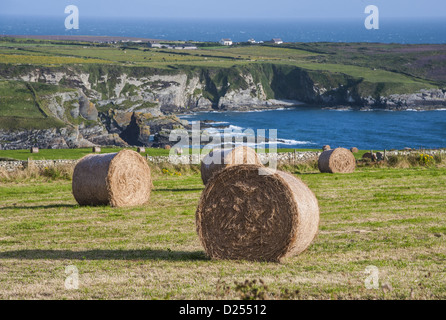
277,41
226,42
252,41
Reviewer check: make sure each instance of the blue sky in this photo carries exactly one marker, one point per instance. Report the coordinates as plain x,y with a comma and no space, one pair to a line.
289,9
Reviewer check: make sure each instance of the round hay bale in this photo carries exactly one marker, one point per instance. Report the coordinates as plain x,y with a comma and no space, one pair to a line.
96,149
167,147
141,150
326,147
339,160
354,150
179,151
117,179
218,159
34,150
243,215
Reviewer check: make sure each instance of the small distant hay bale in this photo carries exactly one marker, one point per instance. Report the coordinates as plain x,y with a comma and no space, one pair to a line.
243,215
167,147
339,160
141,150
354,150
218,159
34,150
326,147
118,179
96,149
179,151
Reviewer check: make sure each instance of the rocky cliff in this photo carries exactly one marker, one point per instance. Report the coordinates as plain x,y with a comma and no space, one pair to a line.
115,105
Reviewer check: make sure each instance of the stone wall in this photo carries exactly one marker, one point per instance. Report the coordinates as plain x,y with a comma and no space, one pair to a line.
40,164
291,157
288,157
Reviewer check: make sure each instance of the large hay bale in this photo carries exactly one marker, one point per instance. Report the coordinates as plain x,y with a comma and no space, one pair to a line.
339,160
116,179
218,159
243,215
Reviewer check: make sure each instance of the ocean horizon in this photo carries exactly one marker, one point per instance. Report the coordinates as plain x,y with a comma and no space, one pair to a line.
392,30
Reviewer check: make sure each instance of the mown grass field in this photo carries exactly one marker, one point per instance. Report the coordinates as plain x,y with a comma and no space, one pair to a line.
393,219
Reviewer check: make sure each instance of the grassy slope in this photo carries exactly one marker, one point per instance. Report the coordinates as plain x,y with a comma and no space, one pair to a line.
23,105
391,218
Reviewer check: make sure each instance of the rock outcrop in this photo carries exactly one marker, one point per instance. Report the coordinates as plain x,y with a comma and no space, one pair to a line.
129,106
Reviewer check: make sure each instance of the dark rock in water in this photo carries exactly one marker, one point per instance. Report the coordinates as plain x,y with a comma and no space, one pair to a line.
379,156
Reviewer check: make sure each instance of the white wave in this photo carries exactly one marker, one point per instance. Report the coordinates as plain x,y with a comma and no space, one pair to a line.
293,142
341,110
232,127
440,109
219,122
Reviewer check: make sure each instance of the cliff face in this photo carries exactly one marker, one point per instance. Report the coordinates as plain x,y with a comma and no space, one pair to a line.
120,105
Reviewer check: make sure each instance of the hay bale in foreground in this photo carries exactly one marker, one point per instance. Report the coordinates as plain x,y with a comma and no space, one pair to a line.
246,216
34,150
218,159
326,147
339,160
117,179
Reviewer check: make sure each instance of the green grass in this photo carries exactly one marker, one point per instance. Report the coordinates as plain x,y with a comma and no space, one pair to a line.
349,59
69,153
390,218
80,152
23,105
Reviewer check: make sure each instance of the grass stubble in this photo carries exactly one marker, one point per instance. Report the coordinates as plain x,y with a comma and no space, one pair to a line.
387,217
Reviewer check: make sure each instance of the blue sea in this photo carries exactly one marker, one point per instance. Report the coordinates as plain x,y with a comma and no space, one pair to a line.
298,30
312,127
